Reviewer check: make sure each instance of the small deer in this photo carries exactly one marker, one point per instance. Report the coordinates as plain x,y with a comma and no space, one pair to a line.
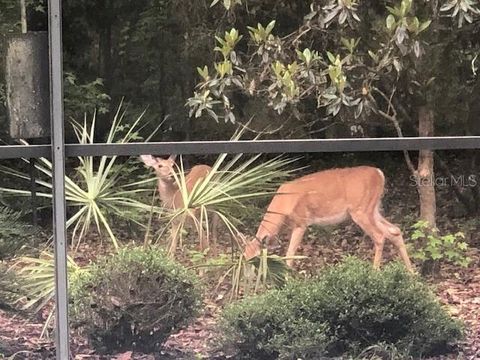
327,198
171,197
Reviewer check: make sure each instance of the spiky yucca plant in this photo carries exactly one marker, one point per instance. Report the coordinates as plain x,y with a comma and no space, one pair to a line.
251,277
37,280
98,189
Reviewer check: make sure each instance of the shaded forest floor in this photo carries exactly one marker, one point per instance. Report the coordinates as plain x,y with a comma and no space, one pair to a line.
457,288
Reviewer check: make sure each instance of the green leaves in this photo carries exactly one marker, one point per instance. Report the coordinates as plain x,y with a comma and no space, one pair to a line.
203,72
335,72
81,98
429,245
14,233
212,88
227,4
390,22
463,10
415,27
285,76
401,25
344,11
261,34
308,56
350,44
423,26
224,68
228,43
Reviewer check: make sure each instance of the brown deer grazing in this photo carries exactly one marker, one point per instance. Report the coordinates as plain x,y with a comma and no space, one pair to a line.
326,198
171,197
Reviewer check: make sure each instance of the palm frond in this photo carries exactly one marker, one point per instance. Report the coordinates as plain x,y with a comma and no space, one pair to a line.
98,189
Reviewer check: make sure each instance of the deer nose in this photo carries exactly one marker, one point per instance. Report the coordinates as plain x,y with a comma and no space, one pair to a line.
250,251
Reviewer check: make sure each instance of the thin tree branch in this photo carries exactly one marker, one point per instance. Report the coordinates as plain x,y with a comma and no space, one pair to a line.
393,119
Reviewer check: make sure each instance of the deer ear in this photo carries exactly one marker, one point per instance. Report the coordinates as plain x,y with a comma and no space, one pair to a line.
149,160
172,157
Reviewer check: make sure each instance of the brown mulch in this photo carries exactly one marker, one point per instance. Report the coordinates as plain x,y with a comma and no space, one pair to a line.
461,293
459,289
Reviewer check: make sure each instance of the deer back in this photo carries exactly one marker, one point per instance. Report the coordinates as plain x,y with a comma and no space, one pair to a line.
327,197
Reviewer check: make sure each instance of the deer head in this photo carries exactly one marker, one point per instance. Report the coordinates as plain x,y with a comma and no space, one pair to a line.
163,167
254,247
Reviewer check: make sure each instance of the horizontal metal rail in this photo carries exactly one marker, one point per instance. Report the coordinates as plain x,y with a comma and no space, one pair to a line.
248,146
24,151
276,146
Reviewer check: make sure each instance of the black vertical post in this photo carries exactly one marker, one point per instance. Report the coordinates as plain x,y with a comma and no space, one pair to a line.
58,160
33,189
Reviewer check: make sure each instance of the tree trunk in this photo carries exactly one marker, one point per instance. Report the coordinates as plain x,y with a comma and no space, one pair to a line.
426,175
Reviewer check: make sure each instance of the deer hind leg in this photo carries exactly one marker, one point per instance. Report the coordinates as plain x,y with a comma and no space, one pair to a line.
394,234
295,240
370,227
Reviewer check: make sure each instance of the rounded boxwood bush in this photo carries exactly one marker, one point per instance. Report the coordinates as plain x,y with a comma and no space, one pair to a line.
134,299
348,308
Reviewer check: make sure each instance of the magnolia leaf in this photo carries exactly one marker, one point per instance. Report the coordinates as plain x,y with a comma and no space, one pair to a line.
390,21
331,57
270,27
448,5
424,26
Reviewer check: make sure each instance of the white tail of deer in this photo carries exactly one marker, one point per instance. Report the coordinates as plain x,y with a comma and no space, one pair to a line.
326,198
172,198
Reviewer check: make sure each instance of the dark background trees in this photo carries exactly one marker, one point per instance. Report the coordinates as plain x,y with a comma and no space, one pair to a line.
397,68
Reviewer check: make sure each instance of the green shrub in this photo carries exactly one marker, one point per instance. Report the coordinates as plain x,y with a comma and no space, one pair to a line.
348,308
13,232
431,246
10,289
133,300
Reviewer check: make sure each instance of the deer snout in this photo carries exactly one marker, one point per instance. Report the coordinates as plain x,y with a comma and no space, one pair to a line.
251,250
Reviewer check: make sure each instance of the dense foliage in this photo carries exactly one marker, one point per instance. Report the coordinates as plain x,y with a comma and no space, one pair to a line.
430,246
98,193
352,61
148,51
347,309
13,233
332,69
10,287
133,300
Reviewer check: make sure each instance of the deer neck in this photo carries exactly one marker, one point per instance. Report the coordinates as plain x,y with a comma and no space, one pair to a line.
166,191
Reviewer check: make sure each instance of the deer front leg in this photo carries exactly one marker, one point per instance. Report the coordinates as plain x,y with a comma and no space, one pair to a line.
295,240
378,244
214,233
176,229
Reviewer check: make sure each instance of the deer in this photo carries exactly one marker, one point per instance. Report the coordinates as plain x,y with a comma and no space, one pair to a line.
171,197
329,197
